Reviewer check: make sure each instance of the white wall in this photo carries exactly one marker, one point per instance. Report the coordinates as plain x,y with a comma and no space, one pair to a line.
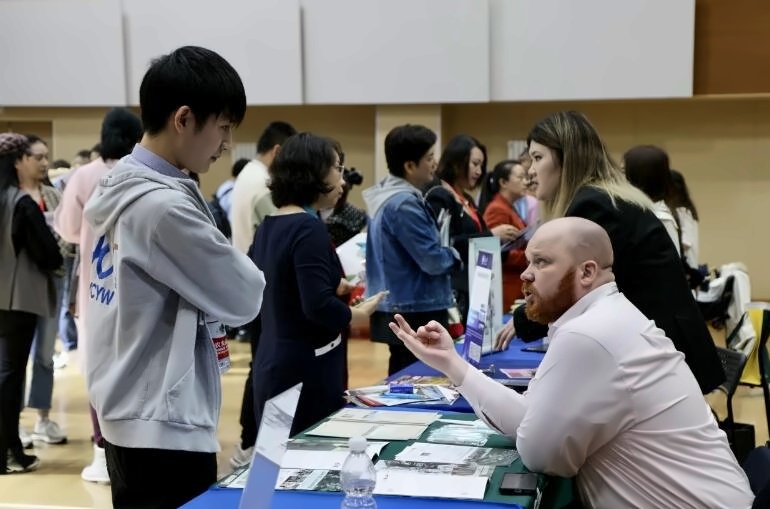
591,49
395,51
261,39
61,53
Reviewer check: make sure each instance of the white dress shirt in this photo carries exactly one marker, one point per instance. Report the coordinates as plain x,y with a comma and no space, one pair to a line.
614,403
249,187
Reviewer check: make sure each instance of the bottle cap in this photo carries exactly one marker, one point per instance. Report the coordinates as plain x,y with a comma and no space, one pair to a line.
357,444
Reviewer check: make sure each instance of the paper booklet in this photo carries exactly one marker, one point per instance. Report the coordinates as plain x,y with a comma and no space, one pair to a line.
380,395
370,430
457,454
385,416
392,481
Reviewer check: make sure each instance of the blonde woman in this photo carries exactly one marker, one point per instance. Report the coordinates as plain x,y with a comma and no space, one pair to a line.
576,177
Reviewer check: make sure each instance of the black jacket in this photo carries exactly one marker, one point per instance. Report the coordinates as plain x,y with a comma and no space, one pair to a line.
462,227
650,274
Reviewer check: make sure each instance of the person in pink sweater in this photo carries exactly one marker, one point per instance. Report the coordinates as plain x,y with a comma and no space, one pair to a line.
121,130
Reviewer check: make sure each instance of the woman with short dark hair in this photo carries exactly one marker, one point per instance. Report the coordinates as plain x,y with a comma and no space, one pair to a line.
302,318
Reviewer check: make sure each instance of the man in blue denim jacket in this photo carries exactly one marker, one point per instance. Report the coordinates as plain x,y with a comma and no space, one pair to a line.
404,254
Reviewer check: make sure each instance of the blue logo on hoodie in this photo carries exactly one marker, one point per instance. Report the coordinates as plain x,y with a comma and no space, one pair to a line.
100,252
98,292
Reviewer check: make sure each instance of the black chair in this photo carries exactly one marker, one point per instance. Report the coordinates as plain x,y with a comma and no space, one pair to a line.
740,436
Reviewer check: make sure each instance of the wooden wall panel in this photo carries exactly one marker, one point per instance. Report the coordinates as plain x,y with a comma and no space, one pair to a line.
732,47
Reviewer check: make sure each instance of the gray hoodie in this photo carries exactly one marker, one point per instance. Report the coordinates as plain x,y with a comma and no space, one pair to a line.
376,196
159,266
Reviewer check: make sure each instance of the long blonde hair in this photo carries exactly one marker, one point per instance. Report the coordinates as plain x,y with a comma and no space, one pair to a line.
584,161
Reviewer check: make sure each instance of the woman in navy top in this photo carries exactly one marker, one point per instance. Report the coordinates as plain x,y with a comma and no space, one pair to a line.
302,317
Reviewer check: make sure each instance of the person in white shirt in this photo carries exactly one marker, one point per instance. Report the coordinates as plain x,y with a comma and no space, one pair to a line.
251,185
613,401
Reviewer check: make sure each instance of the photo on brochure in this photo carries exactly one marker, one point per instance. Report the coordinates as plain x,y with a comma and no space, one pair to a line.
437,468
309,480
521,373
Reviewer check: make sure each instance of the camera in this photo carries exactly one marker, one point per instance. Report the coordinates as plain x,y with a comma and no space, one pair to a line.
352,177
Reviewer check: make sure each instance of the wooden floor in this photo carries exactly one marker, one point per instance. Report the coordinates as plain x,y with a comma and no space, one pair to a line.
57,483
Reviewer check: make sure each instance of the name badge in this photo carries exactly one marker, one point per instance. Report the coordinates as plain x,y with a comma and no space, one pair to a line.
219,337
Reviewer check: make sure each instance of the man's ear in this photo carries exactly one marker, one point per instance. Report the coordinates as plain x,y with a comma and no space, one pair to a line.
183,118
588,272
409,168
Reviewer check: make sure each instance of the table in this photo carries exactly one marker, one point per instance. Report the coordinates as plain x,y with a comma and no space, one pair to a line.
513,357
557,492
229,499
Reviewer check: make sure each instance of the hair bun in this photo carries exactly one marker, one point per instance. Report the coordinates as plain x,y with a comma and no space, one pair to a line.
12,142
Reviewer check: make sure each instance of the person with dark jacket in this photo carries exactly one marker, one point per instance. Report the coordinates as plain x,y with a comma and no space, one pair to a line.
29,254
576,177
461,169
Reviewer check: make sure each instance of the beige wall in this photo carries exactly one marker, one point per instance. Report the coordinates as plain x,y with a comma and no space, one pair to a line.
721,146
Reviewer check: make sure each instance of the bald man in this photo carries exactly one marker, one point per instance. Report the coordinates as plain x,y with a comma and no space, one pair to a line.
613,402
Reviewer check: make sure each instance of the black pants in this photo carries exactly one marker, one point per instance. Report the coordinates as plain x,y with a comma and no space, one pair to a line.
401,356
249,426
17,330
156,478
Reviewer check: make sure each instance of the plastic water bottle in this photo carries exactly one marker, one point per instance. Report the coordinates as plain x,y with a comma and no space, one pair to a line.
358,477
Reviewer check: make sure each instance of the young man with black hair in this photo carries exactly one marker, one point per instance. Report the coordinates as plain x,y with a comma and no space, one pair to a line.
161,277
404,254
251,185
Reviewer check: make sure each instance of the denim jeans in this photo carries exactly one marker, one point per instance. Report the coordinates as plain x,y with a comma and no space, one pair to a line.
41,382
68,332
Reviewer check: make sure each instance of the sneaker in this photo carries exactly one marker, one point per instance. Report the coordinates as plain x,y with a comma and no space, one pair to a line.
96,472
24,464
60,360
26,440
49,432
241,457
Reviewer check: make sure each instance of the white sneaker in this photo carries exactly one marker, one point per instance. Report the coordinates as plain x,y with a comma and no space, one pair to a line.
60,360
49,432
26,440
97,470
241,457
27,464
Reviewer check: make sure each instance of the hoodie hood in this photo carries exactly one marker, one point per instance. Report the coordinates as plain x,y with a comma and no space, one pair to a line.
124,185
376,196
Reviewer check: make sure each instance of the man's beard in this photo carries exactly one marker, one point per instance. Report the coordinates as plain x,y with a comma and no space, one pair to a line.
547,311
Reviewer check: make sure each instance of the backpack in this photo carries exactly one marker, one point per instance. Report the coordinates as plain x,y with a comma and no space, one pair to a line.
220,216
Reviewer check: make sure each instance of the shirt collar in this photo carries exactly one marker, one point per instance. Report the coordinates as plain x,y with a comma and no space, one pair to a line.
582,305
154,162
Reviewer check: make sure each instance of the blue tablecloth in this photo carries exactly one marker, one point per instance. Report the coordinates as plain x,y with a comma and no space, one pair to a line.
513,357
221,498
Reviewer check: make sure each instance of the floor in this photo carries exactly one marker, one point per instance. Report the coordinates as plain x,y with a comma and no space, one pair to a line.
57,483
